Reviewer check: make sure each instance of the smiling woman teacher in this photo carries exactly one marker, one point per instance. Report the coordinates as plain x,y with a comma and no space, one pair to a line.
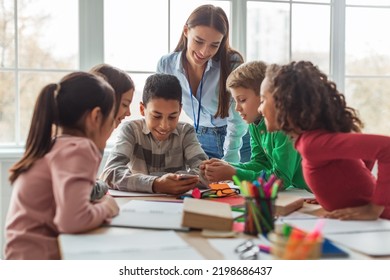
202,61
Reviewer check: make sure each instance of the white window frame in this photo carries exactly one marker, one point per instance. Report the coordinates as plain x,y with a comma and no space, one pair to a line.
91,42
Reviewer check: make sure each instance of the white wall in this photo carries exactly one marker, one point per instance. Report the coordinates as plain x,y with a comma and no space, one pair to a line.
5,194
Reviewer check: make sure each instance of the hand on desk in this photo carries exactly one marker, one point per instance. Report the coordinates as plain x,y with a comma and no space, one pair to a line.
215,170
311,200
111,204
174,184
365,212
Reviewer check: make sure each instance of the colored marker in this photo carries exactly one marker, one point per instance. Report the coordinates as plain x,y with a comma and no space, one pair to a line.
236,181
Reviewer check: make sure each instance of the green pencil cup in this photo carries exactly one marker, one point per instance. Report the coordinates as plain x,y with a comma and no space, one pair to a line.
259,215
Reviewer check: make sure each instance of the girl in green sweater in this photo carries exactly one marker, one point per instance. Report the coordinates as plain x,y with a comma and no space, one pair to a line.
271,152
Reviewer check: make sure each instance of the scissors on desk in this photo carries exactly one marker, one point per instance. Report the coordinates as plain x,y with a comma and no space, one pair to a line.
248,250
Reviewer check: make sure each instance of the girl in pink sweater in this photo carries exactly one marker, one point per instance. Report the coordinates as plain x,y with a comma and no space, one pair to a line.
298,99
52,182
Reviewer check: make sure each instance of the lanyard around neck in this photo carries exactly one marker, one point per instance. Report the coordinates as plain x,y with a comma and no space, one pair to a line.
196,119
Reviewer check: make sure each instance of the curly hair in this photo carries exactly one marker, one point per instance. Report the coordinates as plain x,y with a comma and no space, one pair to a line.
306,100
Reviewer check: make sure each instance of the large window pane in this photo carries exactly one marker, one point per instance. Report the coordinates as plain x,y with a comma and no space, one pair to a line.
181,10
135,33
7,107
7,33
372,99
311,34
268,32
48,34
31,83
367,42
368,2
314,1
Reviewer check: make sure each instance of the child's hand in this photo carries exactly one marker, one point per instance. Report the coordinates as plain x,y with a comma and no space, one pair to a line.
311,200
366,212
204,163
219,170
174,184
111,203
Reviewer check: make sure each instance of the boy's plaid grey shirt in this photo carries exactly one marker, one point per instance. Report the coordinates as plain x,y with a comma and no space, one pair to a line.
137,159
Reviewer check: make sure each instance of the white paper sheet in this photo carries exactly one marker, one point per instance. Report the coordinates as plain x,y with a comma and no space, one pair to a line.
117,193
139,245
307,223
150,214
371,243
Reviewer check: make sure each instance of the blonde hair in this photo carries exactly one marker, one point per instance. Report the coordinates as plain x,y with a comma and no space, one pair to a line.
249,75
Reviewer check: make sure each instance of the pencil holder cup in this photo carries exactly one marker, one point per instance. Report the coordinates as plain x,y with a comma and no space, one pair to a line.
259,215
296,246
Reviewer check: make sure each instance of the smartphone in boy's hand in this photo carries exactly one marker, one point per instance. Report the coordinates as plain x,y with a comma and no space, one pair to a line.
187,176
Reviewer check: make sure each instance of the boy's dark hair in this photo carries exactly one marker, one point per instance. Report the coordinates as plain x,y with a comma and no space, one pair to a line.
164,86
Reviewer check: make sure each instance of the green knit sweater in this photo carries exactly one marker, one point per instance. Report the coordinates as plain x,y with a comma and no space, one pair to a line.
274,153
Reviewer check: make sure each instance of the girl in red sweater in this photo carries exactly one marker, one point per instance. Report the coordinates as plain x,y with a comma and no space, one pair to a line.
298,99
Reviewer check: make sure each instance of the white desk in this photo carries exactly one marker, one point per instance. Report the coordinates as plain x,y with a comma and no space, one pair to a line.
200,243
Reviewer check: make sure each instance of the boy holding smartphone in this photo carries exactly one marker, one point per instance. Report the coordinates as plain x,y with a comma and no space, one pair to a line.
150,153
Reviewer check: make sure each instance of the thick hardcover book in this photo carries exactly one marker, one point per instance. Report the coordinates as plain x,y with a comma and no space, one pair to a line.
287,203
205,214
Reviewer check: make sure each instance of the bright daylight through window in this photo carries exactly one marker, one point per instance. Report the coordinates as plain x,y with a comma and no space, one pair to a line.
39,43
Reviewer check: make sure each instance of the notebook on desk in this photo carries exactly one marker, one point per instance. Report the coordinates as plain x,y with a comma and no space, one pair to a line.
117,193
376,243
150,214
138,245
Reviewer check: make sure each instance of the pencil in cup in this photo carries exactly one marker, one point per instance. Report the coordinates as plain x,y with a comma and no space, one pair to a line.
259,215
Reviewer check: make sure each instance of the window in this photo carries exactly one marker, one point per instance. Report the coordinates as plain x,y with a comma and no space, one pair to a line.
367,62
42,40
38,45
137,36
279,32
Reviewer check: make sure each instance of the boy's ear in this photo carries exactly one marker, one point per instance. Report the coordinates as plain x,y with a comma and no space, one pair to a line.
142,108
